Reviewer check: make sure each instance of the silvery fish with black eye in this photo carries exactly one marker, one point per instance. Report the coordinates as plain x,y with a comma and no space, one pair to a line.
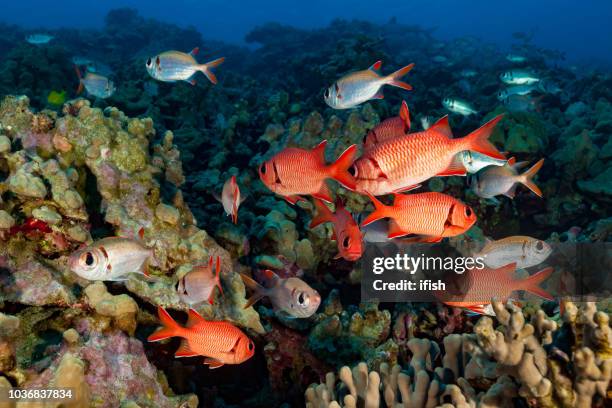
474,161
110,259
172,66
522,250
292,296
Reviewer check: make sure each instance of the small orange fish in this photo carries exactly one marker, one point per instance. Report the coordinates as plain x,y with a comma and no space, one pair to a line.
433,216
230,198
389,128
478,286
294,172
346,231
220,342
398,164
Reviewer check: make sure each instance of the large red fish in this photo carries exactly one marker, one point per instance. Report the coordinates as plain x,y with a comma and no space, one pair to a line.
294,172
399,163
346,231
432,216
220,342
389,128
478,286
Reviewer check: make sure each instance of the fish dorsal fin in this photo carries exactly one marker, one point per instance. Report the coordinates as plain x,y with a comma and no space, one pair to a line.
442,126
194,318
376,66
404,114
319,151
194,52
272,277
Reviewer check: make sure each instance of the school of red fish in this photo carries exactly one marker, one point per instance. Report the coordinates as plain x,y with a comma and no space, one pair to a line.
393,160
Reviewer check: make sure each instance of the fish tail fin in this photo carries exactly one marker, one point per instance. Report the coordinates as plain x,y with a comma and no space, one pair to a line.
207,69
380,211
531,284
526,178
478,140
323,215
258,290
170,327
78,72
394,78
339,170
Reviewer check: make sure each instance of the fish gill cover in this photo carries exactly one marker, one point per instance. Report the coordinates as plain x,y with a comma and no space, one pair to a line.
285,217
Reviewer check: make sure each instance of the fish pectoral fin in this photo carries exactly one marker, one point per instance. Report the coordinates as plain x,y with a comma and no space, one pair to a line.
184,350
213,363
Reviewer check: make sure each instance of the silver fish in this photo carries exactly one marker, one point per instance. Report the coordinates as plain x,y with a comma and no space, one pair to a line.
199,284
516,90
39,39
361,86
516,58
521,103
458,106
292,296
518,77
499,180
522,250
172,66
474,161
110,259
377,231
95,84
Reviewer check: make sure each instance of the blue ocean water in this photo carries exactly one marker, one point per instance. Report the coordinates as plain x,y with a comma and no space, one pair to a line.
579,29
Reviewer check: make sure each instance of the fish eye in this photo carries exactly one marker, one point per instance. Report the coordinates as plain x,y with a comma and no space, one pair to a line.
346,242
326,94
303,300
251,346
539,245
149,62
89,259
262,168
352,170
468,212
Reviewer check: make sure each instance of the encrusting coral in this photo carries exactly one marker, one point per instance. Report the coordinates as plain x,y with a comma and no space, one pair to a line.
514,359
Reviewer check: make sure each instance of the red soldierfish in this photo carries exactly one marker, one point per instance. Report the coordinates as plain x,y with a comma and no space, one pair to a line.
294,171
172,66
220,342
432,216
478,286
230,198
504,179
400,163
199,284
389,128
361,86
346,231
